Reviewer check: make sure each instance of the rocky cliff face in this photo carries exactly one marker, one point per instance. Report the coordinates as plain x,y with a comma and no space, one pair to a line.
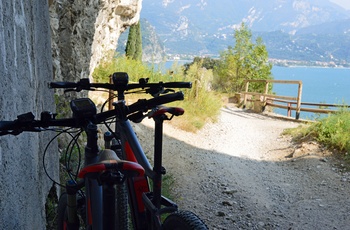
83,30
25,70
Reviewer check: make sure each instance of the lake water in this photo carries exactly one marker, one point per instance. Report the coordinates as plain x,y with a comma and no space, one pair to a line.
320,85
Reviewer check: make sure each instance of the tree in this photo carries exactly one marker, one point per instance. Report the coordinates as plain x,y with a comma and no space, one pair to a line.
133,48
206,62
246,60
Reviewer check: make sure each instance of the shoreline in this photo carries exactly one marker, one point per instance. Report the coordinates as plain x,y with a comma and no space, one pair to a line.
285,63
312,66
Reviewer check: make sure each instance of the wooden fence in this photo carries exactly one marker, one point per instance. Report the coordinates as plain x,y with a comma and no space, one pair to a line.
286,102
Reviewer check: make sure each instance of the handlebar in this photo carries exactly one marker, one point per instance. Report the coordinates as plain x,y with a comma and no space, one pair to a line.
120,83
26,122
82,85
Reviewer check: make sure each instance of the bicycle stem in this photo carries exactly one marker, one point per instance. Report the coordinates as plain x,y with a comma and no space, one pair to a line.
91,148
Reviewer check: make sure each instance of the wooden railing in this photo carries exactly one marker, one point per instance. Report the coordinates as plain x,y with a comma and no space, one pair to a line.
289,102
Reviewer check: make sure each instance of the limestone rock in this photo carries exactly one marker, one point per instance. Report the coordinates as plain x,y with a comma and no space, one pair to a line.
83,31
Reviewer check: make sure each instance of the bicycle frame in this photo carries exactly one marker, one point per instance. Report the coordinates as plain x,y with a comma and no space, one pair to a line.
145,205
104,169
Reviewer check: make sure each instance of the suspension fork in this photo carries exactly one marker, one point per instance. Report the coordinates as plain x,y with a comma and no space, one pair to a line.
93,193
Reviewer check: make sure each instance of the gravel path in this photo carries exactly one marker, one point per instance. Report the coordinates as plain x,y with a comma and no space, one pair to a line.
240,173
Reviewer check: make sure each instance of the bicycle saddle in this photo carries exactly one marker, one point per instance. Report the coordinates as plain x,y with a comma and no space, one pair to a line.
108,160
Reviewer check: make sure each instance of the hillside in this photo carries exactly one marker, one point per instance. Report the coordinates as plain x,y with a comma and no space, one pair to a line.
292,29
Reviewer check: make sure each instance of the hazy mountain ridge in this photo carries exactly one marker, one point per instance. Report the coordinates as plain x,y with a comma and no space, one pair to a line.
203,27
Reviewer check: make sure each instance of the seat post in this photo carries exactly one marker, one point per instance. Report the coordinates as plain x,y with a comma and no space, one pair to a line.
158,154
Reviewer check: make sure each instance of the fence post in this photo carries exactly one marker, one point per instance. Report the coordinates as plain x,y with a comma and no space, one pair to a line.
110,94
266,91
300,89
246,95
289,110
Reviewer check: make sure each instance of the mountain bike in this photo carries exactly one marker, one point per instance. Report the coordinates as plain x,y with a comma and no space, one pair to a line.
117,183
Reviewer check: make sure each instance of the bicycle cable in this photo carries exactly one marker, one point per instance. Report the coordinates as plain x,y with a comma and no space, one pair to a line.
45,152
68,156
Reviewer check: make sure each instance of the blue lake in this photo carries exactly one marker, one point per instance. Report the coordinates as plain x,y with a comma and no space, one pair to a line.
320,85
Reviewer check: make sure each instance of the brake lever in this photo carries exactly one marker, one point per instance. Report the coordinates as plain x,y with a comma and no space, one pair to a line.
70,90
137,117
159,91
168,91
78,89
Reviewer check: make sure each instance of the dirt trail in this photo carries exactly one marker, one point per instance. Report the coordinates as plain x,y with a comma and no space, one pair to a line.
240,173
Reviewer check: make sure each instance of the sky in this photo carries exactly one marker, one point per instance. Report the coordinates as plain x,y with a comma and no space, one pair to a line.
344,3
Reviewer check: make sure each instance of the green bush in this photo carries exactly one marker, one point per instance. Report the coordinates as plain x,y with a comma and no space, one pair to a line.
201,103
332,131
135,69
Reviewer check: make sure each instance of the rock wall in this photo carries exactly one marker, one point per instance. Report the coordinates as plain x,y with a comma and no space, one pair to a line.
78,33
84,30
25,70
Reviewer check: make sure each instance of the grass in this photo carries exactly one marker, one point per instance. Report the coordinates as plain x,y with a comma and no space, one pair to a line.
333,132
198,112
201,104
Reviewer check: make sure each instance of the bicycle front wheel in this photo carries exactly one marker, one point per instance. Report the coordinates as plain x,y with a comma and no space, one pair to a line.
184,220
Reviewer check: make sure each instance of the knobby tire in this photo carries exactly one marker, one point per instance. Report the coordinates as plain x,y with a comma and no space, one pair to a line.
184,220
121,207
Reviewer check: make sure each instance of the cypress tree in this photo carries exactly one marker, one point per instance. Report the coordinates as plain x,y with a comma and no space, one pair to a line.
133,48
130,44
138,43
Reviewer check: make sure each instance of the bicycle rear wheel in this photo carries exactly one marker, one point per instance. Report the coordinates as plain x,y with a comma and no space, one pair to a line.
121,206
184,220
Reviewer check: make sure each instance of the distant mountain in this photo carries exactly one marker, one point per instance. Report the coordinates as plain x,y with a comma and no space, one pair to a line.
334,27
204,27
309,48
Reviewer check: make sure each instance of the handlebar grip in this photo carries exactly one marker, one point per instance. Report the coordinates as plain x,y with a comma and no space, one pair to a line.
178,96
151,103
178,85
7,125
62,85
